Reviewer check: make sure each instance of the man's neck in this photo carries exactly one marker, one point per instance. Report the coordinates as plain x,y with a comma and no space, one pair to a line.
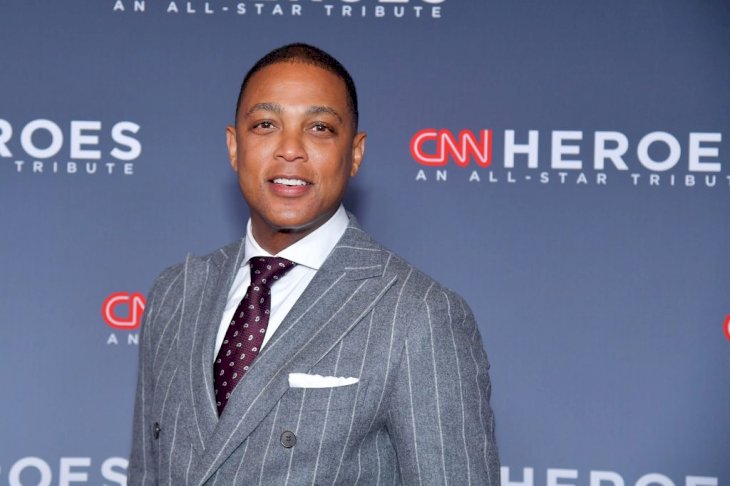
276,241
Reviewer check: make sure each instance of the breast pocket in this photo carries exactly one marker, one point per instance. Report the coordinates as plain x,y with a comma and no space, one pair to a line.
323,399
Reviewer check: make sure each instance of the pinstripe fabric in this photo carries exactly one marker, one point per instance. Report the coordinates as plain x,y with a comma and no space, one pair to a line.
419,414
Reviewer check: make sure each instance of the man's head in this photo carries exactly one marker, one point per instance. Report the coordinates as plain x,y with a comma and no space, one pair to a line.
294,144
306,54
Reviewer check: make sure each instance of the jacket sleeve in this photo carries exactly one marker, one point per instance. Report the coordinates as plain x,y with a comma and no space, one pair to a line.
142,469
440,418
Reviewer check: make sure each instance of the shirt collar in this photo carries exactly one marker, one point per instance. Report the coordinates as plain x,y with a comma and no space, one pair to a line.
312,250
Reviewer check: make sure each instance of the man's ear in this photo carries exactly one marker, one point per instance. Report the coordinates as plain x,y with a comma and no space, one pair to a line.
358,151
232,146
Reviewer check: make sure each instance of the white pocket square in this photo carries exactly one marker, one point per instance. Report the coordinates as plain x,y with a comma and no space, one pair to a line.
305,380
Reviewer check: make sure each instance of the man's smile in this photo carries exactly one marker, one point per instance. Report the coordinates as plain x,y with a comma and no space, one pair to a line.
290,181
290,186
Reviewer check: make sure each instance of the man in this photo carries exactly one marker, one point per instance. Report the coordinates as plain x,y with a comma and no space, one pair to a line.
335,362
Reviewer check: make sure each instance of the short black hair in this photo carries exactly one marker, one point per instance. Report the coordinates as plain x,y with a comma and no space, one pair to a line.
306,54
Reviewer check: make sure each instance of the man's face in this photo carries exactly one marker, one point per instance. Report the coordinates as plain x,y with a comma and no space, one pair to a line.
294,148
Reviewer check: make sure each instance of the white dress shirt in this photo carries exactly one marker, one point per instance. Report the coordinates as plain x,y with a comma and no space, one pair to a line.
309,254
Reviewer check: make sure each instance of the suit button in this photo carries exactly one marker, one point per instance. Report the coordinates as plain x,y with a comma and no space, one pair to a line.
156,430
288,439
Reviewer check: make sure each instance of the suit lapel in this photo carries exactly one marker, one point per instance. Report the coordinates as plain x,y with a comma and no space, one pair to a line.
344,290
206,285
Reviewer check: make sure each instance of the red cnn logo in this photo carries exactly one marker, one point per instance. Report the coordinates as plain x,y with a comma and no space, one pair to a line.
131,317
460,149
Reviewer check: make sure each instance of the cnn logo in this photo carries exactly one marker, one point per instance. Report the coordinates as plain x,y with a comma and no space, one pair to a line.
443,144
123,310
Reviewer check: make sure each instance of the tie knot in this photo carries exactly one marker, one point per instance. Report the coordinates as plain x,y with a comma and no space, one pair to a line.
266,270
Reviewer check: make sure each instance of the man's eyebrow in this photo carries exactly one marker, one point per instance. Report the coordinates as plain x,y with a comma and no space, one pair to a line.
314,110
278,109
273,107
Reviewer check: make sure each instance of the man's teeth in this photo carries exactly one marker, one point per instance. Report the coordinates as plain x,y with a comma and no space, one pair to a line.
290,182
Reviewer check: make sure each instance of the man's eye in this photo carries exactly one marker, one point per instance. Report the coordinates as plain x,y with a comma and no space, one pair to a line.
321,127
264,125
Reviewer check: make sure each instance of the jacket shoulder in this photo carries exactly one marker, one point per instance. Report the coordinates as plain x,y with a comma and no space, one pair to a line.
172,273
421,292
169,286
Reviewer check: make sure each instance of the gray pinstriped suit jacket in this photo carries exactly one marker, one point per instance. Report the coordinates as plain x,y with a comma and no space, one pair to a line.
419,414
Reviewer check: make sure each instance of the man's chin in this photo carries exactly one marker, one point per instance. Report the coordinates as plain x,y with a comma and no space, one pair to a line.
289,220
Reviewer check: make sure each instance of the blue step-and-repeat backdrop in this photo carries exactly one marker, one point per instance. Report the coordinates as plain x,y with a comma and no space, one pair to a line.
564,165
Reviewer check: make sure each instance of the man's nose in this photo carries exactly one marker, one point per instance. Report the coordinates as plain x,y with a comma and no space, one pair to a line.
291,146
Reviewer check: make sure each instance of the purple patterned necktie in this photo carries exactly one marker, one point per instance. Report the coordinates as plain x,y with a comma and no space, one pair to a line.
247,328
